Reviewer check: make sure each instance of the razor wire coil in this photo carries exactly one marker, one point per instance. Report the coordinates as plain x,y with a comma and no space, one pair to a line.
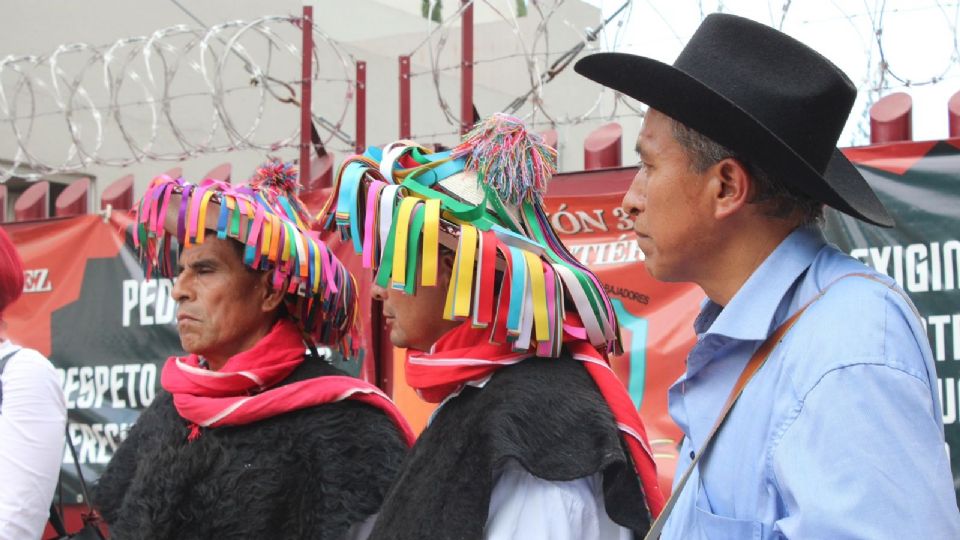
130,89
94,93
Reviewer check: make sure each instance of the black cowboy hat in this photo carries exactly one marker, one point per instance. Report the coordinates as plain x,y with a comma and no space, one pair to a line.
762,94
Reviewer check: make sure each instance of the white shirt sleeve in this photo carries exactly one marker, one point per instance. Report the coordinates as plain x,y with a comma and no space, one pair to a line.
33,417
523,506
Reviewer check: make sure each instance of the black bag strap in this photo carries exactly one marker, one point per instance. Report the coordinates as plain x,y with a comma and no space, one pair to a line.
3,364
56,522
91,517
83,483
3,361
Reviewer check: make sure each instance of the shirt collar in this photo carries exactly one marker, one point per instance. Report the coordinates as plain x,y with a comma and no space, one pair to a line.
753,310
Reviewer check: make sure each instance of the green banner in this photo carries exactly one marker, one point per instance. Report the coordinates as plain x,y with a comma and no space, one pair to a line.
920,185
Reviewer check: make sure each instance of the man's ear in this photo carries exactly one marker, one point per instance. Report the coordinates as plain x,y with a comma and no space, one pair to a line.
734,185
271,297
445,267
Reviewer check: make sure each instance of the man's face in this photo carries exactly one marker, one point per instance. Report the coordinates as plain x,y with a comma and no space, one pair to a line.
416,320
671,207
223,305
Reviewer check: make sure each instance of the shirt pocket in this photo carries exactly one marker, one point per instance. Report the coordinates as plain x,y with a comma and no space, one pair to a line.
716,527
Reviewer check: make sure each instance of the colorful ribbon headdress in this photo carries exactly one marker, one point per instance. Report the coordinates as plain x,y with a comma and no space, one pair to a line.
271,223
483,200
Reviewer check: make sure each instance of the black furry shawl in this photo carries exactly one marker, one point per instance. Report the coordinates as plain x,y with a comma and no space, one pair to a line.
547,414
309,474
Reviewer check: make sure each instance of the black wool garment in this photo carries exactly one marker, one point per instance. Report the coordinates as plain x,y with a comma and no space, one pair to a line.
305,474
548,414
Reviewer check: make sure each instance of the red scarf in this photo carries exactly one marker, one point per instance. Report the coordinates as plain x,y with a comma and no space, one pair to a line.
465,355
245,391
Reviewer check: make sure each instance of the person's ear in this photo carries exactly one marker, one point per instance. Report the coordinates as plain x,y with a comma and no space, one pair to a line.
733,187
272,297
445,268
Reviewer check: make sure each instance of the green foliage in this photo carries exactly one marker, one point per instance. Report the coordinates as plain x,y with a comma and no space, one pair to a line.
434,14
521,8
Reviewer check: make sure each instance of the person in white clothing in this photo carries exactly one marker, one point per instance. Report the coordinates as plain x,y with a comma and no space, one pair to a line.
33,416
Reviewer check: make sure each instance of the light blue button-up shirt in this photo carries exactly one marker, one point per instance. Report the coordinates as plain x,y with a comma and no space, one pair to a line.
838,435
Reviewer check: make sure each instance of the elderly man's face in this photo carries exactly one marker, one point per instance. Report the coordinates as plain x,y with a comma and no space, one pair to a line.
416,320
223,305
671,208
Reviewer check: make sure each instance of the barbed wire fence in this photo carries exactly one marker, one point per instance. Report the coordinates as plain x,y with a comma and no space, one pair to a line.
531,49
868,29
185,91
169,96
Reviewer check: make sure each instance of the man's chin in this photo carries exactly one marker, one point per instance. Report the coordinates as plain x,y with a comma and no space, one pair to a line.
190,346
402,342
660,275
397,340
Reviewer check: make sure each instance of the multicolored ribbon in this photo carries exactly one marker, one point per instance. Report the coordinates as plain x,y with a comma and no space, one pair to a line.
397,206
272,224
246,389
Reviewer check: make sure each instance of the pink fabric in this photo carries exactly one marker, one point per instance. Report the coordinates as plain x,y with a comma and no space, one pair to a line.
368,222
465,354
245,391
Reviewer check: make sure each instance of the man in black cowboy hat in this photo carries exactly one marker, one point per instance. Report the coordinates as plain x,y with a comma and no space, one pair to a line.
838,433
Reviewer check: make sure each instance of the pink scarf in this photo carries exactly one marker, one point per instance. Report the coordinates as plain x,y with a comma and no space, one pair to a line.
465,354
245,391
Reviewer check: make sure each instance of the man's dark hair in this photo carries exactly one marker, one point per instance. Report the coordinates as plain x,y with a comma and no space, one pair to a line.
780,201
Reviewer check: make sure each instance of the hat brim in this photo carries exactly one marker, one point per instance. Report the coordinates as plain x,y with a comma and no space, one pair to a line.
684,98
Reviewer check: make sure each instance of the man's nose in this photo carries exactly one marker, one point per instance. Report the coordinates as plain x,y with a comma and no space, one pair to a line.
378,292
635,199
180,291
